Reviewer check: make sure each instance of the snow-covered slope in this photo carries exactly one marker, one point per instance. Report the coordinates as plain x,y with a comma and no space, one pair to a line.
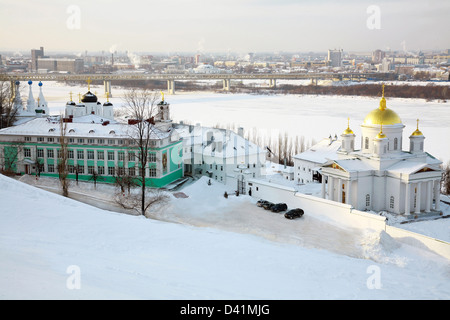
44,237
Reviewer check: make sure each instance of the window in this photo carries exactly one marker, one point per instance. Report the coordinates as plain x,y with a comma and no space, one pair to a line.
391,202
50,153
132,171
121,171
50,139
367,200
70,154
40,153
90,169
80,140
90,154
91,141
50,168
131,156
80,169
121,156
40,139
411,146
101,141
71,140
59,153
71,168
120,141
152,172
80,154
110,155
111,171
110,141
395,143
101,170
27,152
366,143
152,157
27,138
100,155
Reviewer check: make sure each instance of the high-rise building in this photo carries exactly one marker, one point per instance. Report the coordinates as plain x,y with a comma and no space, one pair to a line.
335,57
377,56
35,54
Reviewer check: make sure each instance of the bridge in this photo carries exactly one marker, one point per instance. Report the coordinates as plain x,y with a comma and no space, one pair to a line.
171,78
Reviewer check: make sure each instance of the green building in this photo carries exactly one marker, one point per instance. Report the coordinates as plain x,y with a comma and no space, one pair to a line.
97,149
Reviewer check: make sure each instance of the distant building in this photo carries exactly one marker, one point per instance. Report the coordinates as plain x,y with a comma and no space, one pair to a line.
60,64
35,55
378,56
335,58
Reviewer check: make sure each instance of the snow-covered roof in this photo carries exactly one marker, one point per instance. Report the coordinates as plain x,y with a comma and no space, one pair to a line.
81,127
407,167
353,165
218,142
321,152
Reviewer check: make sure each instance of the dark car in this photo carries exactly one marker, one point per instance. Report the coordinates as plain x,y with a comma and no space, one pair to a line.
294,213
261,202
279,207
268,205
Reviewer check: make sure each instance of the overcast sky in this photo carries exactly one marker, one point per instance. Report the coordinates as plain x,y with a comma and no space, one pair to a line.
224,26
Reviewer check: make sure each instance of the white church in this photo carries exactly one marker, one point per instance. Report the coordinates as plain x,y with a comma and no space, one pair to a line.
381,176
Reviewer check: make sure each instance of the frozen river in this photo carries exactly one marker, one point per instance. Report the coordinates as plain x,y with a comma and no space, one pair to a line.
310,116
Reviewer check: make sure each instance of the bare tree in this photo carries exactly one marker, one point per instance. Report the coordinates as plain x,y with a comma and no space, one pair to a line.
445,180
9,157
7,111
63,159
140,106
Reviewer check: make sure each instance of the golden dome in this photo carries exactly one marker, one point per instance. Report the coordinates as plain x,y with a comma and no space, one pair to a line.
381,135
417,132
382,115
348,130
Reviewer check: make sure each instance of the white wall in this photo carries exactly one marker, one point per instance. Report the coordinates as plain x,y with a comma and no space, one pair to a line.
343,214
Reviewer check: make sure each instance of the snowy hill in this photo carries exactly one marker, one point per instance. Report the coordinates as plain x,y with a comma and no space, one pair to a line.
45,237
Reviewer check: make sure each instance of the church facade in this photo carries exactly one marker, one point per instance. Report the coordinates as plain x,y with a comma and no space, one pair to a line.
381,176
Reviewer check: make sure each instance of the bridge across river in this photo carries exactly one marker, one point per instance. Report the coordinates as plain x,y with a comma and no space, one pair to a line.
171,78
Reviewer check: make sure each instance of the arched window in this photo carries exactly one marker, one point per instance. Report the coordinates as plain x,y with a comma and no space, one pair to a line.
367,200
395,143
366,143
391,202
411,146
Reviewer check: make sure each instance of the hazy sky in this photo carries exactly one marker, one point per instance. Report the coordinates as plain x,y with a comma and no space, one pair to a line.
225,25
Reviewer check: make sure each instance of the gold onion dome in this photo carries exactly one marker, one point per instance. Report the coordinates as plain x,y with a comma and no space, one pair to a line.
382,115
417,132
348,130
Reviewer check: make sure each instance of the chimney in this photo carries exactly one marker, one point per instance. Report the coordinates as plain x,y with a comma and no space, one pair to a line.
241,131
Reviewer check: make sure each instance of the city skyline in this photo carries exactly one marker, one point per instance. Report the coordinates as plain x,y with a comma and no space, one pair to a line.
234,26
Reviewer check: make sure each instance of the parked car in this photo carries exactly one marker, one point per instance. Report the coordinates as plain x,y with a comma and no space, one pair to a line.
294,213
268,205
261,202
279,207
